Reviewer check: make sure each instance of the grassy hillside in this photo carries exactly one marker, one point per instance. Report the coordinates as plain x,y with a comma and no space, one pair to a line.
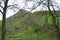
22,26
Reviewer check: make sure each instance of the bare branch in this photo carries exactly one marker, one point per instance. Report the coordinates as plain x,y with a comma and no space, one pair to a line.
54,10
11,5
37,5
1,6
1,11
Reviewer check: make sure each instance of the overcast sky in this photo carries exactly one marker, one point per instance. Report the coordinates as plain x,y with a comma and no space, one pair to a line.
10,12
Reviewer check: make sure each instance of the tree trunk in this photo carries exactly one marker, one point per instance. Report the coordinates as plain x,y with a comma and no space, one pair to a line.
55,20
3,27
4,20
56,24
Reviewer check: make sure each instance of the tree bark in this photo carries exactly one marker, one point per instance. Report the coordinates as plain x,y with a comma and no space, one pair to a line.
4,20
3,27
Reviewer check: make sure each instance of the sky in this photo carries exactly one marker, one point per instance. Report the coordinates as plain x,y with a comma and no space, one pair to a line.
21,5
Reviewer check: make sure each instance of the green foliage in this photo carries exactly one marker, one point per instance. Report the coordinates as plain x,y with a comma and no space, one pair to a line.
29,34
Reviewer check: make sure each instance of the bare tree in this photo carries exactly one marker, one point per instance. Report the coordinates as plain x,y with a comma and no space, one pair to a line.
49,4
4,7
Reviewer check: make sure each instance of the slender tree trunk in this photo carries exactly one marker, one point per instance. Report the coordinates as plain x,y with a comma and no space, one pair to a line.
3,27
4,20
55,20
57,27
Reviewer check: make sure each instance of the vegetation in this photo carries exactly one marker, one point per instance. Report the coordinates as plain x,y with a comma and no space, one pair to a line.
36,22
28,25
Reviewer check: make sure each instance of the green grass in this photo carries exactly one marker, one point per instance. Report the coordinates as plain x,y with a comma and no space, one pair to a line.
29,34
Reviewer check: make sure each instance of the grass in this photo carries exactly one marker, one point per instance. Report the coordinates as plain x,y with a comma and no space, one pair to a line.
29,34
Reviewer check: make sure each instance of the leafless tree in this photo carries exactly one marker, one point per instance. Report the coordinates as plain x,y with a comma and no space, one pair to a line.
4,6
48,4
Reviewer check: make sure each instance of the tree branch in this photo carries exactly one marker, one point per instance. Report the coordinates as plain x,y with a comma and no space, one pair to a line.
37,5
1,6
10,5
1,11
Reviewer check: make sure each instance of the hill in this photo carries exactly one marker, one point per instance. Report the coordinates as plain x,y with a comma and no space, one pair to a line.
25,25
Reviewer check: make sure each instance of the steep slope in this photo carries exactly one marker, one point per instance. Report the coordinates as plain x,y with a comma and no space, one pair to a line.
23,24
24,29
17,18
16,21
18,15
